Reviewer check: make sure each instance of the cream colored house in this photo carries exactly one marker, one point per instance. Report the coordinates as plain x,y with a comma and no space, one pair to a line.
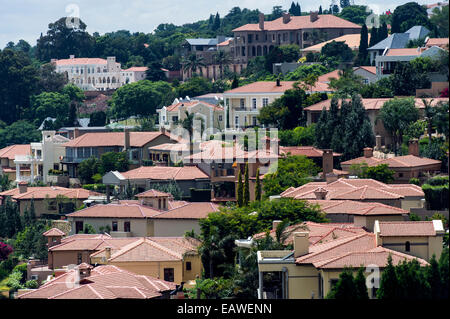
319,255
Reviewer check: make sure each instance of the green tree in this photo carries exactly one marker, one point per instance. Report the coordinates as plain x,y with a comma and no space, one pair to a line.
363,45
344,288
50,80
193,63
113,161
240,190
88,168
356,14
408,15
20,132
246,191
195,86
216,24
360,285
388,283
373,36
49,104
235,82
397,114
338,50
440,20
380,173
258,187
222,59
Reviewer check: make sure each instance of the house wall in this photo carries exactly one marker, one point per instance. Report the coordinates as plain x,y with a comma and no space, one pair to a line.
153,268
422,247
333,274
41,206
58,259
174,227
369,221
138,225
196,267
412,202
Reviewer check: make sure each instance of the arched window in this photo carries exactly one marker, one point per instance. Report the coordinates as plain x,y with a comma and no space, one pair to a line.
98,69
104,80
407,246
113,80
108,80
89,80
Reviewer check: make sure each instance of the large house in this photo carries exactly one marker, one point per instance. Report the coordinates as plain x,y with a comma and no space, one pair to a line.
7,165
154,214
252,40
95,74
321,251
352,40
88,145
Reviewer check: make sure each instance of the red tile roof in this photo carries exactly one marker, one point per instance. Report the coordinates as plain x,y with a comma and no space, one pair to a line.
190,210
165,173
375,104
407,161
191,104
263,87
153,193
137,139
75,61
302,22
403,52
308,151
136,69
104,282
357,208
54,232
50,192
442,42
407,228
11,151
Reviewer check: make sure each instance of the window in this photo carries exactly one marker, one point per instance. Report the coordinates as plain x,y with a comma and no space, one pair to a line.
114,226
78,227
188,265
174,118
220,118
254,104
236,121
366,81
169,274
51,205
242,103
407,246
254,120
79,258
126,227
265,101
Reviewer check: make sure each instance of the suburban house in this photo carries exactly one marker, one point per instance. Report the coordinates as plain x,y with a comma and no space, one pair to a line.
102,282
405,167
155,213
438,42
210,115
47,201
368,74
186,177
242,104
258,39
352,40
372,107
136,145
7,165
403,196
173,258
397,41
95,74
319,255
359,213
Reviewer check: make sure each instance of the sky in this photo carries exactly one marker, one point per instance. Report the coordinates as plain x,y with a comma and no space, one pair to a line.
27,19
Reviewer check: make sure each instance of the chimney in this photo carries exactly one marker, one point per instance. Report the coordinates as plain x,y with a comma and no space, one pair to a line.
163,130
327,161
368,152
301,244
313,16
76,132
71,56
278,82
126,144
84,270
320,193
413,147
261,21
286,17
23,187
275,224
107,253
378,142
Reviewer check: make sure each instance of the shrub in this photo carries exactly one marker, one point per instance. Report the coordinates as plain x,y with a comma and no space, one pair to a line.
14,280
438,181
414,181
31,284
95,187
436,196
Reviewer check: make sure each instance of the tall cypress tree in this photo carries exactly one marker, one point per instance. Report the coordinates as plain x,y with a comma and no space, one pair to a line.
239,190
320,10
373,37
235,82
363,44
292,9
444,272
211,20
258,187
246,195
433,277
321,130
216,24
299,9
382,32
388,283
344,288
360,285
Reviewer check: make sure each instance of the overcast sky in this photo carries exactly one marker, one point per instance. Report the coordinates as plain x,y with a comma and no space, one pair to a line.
26,19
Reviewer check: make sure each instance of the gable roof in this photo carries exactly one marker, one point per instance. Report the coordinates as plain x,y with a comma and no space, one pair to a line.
328,21
75,61
407,228
104,282
11,151
352,40
406,161
263,87
308,151
190,104
394,41
357,208
54,232
417,32
137,139
50,192
153,193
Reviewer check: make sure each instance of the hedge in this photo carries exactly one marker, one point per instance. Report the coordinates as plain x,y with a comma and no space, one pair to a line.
95,187
436,196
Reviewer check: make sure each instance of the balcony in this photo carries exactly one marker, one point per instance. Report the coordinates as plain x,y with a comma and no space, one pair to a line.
72,159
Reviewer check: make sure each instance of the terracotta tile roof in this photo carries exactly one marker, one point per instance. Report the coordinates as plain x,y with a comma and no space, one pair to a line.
224,43
371,69
376,256
190,210
165,173
407,228
352,40
91,244
403,52
116,211
231,153
407,161
153,193
11,151
355,189
375,104
104,282
137,139
136,69
308,151
54,232
263,87
188,105
442,42
50,192
75,61
301,22
357,208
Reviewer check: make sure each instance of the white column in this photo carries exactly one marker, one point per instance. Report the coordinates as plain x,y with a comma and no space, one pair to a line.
260,285
32,171
17,172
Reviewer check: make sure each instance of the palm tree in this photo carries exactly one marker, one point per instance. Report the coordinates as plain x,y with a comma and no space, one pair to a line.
222,58
192,63
188,124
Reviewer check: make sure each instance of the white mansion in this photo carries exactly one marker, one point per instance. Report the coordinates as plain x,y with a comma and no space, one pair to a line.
95,74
